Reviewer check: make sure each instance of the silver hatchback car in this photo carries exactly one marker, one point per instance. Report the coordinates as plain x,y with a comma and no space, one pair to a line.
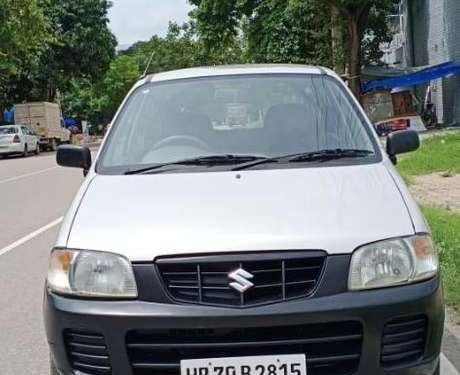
243,220
18,140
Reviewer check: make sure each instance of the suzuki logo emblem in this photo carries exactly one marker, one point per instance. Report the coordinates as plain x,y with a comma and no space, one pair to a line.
241,278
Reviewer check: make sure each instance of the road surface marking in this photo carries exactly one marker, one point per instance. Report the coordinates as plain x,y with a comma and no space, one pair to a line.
447,368
20,177
30,236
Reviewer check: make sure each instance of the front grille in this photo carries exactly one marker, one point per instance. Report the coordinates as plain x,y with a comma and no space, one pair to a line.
330,349
276,277
87,352
403,340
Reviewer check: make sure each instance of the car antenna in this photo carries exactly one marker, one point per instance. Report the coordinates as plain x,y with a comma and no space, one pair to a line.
148,65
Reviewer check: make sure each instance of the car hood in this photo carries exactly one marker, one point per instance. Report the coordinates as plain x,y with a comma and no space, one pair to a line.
335,209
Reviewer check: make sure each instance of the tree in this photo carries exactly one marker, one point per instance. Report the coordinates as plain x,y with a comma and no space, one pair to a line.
218,23
82,48
118,80
297,30
24,31
87,100
293,31
180,48
356,14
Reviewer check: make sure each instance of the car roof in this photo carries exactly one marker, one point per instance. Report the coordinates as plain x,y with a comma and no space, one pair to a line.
228,70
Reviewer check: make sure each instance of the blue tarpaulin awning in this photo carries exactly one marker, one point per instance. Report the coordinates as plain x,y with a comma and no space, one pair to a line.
412,79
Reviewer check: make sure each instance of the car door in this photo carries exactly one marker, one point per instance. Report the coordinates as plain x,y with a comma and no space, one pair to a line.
33,139
28,138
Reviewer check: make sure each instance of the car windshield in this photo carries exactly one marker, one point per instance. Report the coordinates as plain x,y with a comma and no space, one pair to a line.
241,116
5,130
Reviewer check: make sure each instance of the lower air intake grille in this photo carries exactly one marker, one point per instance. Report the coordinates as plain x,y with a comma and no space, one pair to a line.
87,352
403,340
330,349
273,277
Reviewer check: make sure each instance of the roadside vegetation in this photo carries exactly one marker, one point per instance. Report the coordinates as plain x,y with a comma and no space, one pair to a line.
440,154
446,232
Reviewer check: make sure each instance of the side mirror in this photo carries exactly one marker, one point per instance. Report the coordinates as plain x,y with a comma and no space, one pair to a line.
74,157
402,141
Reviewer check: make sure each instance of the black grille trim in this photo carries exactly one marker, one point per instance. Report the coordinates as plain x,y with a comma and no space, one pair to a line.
87,352
404,341
330,348
278,276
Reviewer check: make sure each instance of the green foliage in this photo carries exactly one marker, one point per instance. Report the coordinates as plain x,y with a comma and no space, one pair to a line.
439,153
80,46
446,233
295,31
23,34
83,47
376,33
118,80
218,22
176,50
91,101
179,49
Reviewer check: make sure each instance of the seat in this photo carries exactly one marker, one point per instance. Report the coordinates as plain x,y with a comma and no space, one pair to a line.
291,128
183,122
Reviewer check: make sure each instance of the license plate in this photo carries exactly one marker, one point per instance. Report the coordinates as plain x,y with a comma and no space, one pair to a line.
261,365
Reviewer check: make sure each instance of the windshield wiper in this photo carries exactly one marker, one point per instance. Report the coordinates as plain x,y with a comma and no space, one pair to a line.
201,160
330,154
320,155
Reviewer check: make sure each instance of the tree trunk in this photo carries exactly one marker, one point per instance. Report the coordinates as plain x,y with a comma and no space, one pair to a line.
354,59
357,17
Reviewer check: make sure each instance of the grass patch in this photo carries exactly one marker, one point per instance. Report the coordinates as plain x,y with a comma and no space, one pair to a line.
438,153
446,233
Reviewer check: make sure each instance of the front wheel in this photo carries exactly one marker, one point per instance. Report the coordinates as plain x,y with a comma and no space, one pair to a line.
26,151
37,149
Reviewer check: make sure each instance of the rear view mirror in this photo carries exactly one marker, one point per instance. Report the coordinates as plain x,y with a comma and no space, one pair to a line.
74,157
402,141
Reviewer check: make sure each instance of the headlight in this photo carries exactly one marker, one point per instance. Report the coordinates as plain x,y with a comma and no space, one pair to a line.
91,274
393,262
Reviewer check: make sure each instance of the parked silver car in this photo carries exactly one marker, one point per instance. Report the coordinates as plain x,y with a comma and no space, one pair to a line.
243,221
18,140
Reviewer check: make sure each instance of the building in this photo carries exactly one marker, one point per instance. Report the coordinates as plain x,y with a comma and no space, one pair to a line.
426,32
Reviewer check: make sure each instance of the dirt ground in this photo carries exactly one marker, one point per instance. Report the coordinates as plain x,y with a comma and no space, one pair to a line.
438,190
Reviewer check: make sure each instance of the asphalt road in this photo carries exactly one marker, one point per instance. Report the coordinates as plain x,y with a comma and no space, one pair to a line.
34,195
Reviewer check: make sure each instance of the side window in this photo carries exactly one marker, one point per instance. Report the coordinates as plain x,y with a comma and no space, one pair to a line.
25,131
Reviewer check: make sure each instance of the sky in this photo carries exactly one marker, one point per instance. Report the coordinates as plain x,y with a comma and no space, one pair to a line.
134,20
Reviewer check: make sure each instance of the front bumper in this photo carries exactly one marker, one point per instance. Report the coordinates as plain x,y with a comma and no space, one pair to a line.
372,309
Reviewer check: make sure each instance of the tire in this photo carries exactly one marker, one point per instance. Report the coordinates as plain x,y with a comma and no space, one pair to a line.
26,151
53,145
37,149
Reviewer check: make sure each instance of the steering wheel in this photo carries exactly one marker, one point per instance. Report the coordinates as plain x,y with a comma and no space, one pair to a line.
183,140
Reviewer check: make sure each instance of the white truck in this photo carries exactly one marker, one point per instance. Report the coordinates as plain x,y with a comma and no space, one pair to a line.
45,119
